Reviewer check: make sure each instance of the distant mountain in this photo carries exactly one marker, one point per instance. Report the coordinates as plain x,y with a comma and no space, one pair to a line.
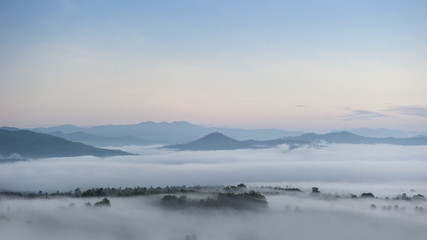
10,128
165,133
334,137
100,141
347,137
184,132
28,144
213,141
66,128
383,133
255,134
218,141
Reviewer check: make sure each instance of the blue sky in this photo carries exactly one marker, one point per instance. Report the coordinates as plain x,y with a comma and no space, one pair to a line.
309,65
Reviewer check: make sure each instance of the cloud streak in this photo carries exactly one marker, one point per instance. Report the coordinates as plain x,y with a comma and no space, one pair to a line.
362,115
411,110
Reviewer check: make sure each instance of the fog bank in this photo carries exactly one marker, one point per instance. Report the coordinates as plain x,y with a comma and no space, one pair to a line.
288,217
160,167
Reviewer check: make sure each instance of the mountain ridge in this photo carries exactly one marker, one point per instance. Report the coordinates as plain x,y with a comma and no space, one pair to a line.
100,141
167,133
218,141
28,144
180,132
351,138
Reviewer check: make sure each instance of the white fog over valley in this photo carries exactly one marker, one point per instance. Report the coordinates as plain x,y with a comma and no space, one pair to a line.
338,170
288,217
164,167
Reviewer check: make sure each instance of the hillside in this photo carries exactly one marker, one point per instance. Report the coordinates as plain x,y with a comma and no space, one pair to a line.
29,144
99,141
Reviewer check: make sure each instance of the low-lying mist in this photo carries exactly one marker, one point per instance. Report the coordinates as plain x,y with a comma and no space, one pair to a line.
288,217
161,167
338,170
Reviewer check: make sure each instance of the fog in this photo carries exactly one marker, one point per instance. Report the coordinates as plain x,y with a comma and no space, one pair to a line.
337,169
362,164
288,217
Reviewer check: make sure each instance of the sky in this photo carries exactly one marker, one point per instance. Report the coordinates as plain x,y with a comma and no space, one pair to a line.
296,65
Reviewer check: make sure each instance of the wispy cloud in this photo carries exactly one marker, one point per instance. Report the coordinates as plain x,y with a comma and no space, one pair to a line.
301,106
410,110
362,115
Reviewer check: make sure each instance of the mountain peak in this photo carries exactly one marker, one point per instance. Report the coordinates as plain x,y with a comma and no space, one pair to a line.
342,133
212,141
215,136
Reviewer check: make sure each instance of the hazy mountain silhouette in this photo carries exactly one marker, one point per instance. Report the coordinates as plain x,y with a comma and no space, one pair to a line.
184,132
334,137
66,128
181,132
218,141
29,144
382,133
100,141
10,128
166,133
213,141
347,137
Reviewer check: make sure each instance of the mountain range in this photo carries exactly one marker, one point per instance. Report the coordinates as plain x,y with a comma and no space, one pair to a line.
68,140
218,141
155,133
350,138
100,141
383,133
183,132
